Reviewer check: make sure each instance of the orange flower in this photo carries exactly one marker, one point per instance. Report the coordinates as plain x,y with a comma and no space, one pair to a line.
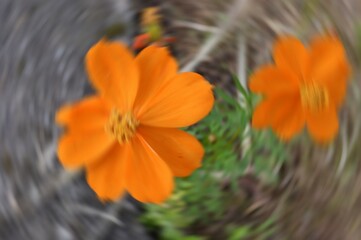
152,30
145,39
306,86
126,136
150,15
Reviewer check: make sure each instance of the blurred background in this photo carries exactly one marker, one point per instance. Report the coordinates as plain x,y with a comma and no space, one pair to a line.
251,185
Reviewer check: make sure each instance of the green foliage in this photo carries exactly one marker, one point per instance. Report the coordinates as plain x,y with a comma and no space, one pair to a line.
168,217
201,198
240,233
262,232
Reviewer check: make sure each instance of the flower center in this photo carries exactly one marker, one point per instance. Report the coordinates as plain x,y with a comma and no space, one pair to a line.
122,127
314,97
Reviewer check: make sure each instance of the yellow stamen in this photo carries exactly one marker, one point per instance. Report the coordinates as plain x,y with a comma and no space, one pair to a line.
314,97
122,127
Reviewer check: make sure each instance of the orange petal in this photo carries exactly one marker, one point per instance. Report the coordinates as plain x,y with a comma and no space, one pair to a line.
183,101
323,126
283,113
260,118
291,54
106,176
141,41
272,80
330,67
288,118
147,176
156,68
113,71
79,148
87,114
181,151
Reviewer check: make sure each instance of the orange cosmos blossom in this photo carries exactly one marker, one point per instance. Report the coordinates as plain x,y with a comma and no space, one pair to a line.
305,86
126,136
153,32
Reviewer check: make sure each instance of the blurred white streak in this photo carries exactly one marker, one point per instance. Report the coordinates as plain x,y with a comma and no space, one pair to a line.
46,155
356,124
330,154
242,63
95,212
195,26
242,78
238,8
278,27
344,149
112,211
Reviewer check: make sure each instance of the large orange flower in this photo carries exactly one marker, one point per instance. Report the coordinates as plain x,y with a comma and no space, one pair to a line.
126,136
306,86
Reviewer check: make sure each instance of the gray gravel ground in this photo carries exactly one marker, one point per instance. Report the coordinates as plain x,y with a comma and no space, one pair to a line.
42,45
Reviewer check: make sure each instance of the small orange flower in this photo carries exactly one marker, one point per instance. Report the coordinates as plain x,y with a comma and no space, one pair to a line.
306,86
126,136
150,15
145,39
152,30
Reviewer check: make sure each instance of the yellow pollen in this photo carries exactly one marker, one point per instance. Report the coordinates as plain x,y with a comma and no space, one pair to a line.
122,127
314,97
